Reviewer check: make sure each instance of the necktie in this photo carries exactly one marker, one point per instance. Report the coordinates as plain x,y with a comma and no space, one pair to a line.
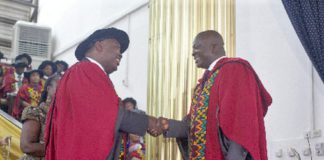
205,78
206,75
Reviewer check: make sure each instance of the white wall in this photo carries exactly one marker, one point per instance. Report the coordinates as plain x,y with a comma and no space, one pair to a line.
318,91
73,20
266,38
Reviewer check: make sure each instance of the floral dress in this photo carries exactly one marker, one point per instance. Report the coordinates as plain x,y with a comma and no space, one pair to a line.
38,114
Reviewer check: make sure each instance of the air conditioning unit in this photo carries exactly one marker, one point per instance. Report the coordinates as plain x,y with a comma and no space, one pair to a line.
33,39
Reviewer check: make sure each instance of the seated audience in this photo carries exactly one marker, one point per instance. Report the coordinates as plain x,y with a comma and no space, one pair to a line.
33,119
61,66
48,68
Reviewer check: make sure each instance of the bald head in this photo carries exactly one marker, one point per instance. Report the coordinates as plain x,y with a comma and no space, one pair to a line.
211,36
207,47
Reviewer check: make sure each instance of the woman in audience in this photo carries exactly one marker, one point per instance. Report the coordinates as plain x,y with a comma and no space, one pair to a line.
33,119
26,59
49,69
61,66
29,94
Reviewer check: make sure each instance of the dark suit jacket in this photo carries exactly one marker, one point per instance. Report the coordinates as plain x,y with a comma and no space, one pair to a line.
180,130
130,122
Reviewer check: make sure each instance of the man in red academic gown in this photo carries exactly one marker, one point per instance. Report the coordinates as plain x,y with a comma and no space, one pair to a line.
228,106
85,117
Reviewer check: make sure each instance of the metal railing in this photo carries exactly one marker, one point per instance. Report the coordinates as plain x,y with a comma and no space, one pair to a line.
10,119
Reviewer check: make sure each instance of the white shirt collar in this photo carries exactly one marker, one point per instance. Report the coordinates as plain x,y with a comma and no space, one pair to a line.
16,75
211,66
95,62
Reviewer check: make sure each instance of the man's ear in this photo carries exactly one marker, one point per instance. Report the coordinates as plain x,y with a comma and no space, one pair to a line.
98,46
214,47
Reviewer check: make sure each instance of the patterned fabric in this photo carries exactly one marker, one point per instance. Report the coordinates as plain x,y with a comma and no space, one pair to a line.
9,83
307,17
135,149
122,150
34,95
128,150
28,94
198,116
7,69
38,114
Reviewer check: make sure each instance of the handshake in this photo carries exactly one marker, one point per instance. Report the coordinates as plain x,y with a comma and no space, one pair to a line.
157,126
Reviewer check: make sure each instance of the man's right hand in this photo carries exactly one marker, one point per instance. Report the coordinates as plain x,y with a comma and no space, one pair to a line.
164,122
157,126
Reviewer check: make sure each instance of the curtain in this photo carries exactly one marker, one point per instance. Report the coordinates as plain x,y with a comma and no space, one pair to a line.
307,17
172,71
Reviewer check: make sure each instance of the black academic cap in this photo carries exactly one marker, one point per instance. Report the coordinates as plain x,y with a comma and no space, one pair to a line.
101,34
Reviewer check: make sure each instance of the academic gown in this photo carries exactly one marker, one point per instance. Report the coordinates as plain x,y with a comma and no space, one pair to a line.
85,118
238,103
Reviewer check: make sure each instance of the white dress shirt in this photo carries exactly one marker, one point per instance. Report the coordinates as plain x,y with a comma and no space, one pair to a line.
97,63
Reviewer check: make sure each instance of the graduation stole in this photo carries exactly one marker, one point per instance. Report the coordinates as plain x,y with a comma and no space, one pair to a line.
198,116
